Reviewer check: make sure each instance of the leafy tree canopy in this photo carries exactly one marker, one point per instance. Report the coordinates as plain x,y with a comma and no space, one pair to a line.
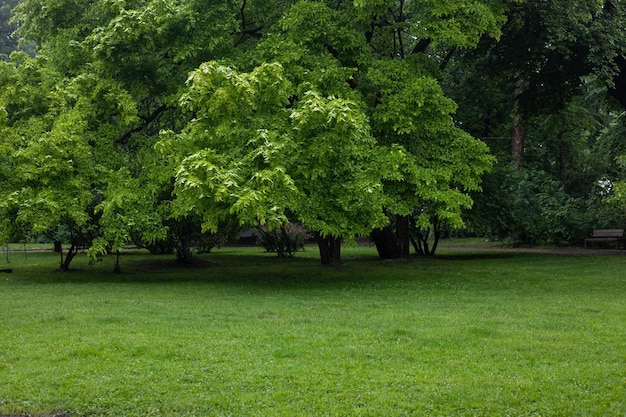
327,111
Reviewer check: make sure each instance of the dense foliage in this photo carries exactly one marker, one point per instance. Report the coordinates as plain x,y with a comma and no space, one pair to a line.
552,112
167,123
326,113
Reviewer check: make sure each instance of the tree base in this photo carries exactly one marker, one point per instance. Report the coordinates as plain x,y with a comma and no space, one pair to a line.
330,250
392,244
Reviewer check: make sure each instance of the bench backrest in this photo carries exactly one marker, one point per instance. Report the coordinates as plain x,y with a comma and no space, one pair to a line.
608,233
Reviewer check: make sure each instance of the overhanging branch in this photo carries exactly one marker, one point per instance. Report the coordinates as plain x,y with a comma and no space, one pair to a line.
145,121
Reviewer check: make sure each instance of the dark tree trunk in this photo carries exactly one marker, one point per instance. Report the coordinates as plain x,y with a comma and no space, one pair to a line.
517,138
420,238
517,141
330,250
116,267
403,234
436,241
71,253
618,91
422,242
392,244
385,242
183,249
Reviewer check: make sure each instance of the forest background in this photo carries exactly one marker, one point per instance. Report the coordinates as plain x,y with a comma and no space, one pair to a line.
169,124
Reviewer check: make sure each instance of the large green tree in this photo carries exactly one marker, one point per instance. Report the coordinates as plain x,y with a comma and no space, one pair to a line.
540,62
327,112
548,104
251,153
382,58
47,164
108,74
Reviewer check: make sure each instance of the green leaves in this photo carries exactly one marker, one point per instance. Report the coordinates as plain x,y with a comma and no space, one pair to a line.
323,112
461,23
247,153
336,167
221,94
230,153
427,160
296,138
127,210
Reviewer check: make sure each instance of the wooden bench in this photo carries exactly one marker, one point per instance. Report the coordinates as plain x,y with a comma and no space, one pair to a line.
606,235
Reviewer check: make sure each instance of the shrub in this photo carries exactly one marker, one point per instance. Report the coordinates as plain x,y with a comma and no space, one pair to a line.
285,241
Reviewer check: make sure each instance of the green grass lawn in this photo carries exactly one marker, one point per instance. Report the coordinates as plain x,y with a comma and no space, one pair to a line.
485,333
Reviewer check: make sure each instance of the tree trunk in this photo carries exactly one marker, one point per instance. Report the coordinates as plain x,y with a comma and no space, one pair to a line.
420,237
116,267
403,234
517,141
436,233
618,90
517,138
422,242
385,242
390,244
71,253
330,250
183,250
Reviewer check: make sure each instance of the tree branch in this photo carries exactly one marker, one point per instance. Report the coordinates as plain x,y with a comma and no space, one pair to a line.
256,31
618,90
242,13
335,55
399,29
421,46
400,43
146,121
447,58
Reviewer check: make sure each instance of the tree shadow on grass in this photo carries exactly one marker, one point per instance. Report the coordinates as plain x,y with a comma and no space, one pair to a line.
261,270
472,256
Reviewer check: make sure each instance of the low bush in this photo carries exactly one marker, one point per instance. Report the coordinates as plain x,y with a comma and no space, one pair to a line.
284,241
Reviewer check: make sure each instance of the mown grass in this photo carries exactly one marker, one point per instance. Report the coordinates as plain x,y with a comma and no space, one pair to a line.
245,334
